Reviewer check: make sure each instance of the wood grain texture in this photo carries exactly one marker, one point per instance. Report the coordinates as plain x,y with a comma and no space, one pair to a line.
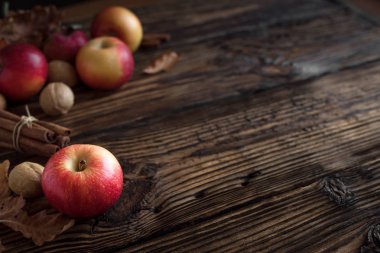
263,138
235,61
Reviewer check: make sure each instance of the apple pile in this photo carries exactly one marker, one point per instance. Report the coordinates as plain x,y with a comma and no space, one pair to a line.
104,62
80,180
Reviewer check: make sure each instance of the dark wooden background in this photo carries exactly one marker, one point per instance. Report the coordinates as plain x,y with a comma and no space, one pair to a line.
20,4
265,137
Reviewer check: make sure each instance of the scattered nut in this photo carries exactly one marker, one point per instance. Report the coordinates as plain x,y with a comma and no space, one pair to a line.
61,71
3,102
56,99
25,179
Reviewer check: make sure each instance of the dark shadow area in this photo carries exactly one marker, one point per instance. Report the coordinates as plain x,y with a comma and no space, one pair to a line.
18,4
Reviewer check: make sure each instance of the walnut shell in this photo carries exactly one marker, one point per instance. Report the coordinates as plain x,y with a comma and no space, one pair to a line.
56,99
25,179
61,71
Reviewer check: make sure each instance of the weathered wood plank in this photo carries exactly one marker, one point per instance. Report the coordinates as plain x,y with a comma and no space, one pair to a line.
84,10
301,220
316,146
243,63
229,159
290,42
245,164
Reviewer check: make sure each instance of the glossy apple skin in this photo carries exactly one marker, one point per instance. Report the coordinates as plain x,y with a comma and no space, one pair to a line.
86,193
64,46
105,63
119,22
23,71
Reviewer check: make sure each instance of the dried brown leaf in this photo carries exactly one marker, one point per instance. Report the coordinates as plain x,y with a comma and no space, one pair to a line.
4,189
10,206
41,227
30,26
35,205
162,63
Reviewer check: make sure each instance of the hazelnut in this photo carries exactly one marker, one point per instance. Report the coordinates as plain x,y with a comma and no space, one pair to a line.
25,179
56,99
61,71
3,102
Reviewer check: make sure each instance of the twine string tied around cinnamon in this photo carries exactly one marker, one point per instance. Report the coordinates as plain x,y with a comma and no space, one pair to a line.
25,120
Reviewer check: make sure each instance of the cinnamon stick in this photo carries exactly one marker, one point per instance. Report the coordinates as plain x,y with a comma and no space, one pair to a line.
15,118
37,133
62,141
28,145
60,130
41,124
8,115
39,138
6,145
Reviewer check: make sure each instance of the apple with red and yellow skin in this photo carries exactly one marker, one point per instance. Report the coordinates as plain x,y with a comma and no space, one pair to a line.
82,180
23,71
119,22
105,63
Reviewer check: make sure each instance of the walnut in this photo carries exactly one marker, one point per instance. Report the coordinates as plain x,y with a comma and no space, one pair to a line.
61,71
25,179
56,99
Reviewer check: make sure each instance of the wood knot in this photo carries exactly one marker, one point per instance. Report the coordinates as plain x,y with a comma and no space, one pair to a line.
275,70
138,184
372,243
200,194
337,191
248,178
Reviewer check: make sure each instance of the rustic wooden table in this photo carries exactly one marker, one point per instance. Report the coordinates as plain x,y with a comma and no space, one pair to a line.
265,137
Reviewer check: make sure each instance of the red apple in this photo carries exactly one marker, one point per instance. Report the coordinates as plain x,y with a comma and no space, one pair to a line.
64,45
119,22
105,63
23,71
82,180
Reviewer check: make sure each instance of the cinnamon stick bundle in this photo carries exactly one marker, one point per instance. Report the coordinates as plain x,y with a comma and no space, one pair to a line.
38,138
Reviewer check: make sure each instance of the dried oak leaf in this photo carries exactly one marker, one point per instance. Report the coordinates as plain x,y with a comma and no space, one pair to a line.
10,206
35,205
4,189
41,227
30,26
162,63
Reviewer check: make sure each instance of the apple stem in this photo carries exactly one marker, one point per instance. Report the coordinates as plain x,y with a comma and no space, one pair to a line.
82,165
